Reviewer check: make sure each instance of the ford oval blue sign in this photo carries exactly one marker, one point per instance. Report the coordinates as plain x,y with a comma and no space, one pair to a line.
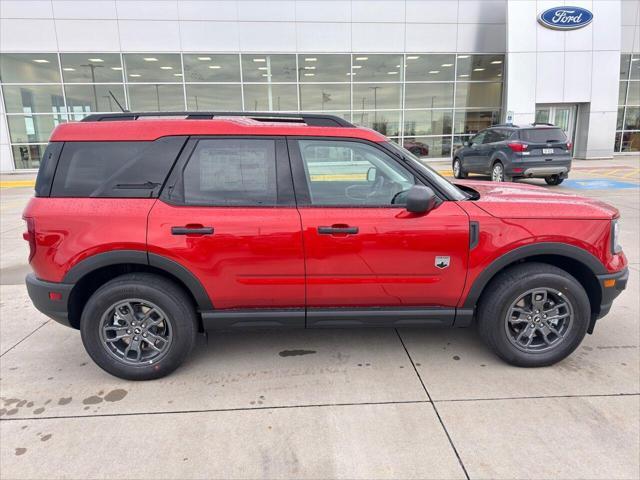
565,18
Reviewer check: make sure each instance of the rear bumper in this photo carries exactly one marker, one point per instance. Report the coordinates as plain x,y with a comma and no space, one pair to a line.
539,168
611,285
39,292
545,171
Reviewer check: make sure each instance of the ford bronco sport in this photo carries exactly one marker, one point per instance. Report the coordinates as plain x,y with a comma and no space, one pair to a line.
147,229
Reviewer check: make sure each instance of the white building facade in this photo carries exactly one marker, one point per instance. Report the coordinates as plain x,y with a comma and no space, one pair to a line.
426,73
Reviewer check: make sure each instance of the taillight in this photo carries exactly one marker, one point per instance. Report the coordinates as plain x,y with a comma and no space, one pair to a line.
569,146
30,236
517,146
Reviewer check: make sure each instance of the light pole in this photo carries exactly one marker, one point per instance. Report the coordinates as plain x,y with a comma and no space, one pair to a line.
93,67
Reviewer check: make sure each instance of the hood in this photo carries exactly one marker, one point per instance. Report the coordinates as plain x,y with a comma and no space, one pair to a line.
517,200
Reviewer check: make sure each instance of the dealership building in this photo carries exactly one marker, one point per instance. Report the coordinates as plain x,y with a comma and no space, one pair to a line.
426,73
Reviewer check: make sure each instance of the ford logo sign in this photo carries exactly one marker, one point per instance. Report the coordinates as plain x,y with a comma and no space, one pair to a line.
565,18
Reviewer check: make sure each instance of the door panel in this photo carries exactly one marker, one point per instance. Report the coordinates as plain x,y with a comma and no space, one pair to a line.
473,157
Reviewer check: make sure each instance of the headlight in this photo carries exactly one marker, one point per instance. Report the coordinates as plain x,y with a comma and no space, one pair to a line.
615,236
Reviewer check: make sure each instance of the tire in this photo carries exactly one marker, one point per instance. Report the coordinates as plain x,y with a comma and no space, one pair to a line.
554,180
458,171
115,340
500,334
497,173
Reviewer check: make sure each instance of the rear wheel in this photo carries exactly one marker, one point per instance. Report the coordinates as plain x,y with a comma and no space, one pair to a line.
533,315
458,171
139,326
497,173
554,180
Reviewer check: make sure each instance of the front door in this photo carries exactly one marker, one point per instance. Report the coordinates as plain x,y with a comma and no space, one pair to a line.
561,115
474,154
228,216
362,248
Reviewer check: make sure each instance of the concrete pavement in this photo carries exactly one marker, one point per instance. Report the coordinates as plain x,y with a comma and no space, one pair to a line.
321,404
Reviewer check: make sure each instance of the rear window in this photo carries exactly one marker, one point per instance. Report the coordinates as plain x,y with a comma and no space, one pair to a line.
543,135
115,169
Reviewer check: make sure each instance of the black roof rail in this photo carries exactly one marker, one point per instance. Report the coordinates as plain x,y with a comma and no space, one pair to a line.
311,119
510,125
546,124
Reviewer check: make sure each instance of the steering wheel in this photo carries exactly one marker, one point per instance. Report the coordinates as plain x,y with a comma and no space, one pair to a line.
364,192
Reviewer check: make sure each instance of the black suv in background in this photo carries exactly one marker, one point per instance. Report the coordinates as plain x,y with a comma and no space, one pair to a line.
508,151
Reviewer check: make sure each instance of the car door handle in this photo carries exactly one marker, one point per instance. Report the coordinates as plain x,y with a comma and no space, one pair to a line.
335,229
195,230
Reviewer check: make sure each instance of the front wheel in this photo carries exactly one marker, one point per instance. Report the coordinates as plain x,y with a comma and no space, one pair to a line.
139,326
554,180
497,173
533,315
458,171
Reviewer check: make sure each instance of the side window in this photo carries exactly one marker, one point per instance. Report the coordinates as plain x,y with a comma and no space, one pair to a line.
478,139
352,173
231,171
115,169
491,136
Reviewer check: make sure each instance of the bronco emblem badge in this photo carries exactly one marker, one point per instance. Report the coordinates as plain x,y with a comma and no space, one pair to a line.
442,262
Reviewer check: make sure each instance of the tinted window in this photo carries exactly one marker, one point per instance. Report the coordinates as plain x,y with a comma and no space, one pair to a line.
352,173
492,136
543,135
479,138
115,169
231,172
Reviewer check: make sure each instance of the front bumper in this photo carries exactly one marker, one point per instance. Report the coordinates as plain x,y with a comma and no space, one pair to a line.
41,292
611,285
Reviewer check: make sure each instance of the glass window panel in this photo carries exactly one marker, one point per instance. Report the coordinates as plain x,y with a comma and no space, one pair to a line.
625,59
630,142
616,146
433,147
473,95
430,67
379,68
91,67
470,122
377,96
620,118
155,98
430,122
205,67
632,118
325,96
633,93
622,93
32,128
635,67
28,156
270,97
94,98
153,67
387,123
428,95
33,98
264,68
29,68
480,67
324,68
214,97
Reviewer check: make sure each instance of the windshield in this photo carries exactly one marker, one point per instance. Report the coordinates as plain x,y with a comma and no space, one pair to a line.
444,185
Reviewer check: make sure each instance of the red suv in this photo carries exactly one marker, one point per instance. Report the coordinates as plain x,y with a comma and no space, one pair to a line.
147,229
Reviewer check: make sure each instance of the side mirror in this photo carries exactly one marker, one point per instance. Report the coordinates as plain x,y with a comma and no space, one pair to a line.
421,199
467,144
372,172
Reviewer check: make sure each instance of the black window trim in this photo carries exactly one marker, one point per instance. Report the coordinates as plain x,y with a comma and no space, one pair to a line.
284,183
301,186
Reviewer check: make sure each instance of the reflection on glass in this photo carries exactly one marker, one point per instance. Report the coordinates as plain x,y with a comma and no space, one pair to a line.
619,120
29,68
378,68
94,98
33,98
480,67
428,95
205,67
325,96
472,121
28,156
270,97
156,98
214,97
635,68
152,67
622,93
268,68
633,93
428,146
426,68
632,118
387,123
474,95
32,128
91,67
430,122
377,96
625,59
630,142
324,68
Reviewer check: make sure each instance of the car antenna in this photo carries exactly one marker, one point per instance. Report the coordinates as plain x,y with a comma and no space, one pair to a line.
117,102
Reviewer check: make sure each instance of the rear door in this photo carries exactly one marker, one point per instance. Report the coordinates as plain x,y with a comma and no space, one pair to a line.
227,214
546,144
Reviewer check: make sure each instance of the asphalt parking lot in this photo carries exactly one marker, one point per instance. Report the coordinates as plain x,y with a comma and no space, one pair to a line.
327,403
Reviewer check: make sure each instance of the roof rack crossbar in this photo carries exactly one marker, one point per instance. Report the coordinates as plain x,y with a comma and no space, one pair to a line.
311,119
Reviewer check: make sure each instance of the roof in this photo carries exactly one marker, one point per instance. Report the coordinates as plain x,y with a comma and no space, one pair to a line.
149,128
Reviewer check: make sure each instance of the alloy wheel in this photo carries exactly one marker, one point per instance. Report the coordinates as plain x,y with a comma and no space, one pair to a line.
497,174
456,168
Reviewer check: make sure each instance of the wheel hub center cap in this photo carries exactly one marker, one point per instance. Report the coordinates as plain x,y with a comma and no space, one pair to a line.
137,331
